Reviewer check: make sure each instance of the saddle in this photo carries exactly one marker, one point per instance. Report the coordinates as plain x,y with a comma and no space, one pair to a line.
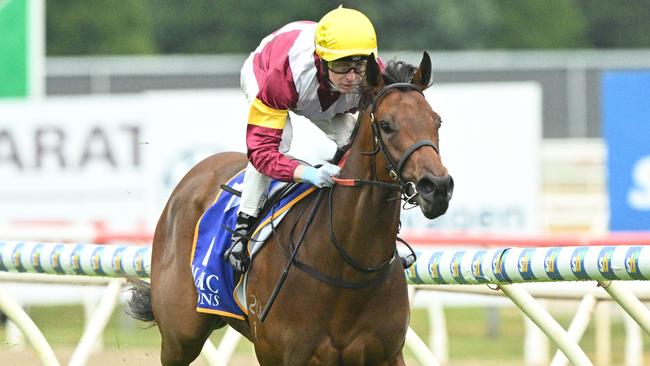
271,203
215,280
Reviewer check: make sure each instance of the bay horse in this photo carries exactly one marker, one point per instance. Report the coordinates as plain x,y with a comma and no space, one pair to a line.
346,303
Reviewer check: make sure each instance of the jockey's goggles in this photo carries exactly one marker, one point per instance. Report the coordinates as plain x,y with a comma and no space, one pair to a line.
343,66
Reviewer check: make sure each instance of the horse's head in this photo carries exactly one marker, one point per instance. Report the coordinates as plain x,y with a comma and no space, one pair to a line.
406,130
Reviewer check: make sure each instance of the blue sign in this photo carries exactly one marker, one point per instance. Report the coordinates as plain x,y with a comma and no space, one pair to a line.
626,126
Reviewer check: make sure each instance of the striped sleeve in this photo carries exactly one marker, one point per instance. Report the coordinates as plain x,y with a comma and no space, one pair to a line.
263,137
262,115
277,94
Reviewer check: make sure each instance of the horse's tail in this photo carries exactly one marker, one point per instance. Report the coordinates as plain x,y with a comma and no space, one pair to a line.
140,302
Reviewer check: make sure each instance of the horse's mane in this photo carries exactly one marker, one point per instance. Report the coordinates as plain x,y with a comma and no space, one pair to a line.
398,72
394,72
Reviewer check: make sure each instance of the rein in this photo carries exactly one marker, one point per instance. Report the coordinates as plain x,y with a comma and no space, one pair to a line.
394,171
284,274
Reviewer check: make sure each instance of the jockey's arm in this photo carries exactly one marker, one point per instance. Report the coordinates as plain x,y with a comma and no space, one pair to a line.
263,137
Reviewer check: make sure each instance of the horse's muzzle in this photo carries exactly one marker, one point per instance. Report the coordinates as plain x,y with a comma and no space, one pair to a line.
434,194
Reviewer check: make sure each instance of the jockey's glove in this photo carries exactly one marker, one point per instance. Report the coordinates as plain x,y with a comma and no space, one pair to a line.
320,177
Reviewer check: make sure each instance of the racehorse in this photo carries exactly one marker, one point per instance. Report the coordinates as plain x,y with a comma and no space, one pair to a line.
345,301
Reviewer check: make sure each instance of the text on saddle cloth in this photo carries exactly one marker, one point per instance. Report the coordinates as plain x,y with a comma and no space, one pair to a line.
213,277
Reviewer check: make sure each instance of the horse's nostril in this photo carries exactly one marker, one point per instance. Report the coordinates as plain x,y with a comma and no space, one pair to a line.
431,186
426,186
450,187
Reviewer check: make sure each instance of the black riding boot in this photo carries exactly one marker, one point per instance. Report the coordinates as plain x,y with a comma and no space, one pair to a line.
237,254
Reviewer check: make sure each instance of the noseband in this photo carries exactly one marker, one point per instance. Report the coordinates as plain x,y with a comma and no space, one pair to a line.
395,170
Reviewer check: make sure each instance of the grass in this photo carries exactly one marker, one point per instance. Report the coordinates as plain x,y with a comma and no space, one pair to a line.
470,341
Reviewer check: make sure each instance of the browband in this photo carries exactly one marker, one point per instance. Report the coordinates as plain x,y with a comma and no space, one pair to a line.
390,87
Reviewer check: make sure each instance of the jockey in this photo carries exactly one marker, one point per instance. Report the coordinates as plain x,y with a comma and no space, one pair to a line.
314,70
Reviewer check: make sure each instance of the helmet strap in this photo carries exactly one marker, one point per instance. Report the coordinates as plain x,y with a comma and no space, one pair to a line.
331,85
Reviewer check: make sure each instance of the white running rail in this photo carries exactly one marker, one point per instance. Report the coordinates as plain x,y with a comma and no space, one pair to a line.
507,268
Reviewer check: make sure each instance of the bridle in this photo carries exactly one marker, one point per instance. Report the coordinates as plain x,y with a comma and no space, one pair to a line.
394,171
408,189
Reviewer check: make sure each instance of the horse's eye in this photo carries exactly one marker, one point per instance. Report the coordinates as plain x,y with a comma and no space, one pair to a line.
385,126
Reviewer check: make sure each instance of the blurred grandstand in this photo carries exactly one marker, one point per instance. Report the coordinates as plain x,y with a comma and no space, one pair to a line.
573,155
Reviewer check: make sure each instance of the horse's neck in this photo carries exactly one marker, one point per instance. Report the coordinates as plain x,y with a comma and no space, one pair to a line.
371,212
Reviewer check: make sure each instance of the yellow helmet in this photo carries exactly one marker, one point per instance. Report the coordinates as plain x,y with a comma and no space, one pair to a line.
344,32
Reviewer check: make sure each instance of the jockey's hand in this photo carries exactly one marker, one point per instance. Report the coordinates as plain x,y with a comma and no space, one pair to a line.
320,177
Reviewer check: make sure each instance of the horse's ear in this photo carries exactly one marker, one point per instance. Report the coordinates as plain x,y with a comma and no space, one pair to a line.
422,76
373,74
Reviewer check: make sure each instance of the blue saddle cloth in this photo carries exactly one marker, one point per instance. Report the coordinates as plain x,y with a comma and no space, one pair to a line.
214,278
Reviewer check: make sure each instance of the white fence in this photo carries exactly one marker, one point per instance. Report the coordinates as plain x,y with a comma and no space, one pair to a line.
506,268
509,267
